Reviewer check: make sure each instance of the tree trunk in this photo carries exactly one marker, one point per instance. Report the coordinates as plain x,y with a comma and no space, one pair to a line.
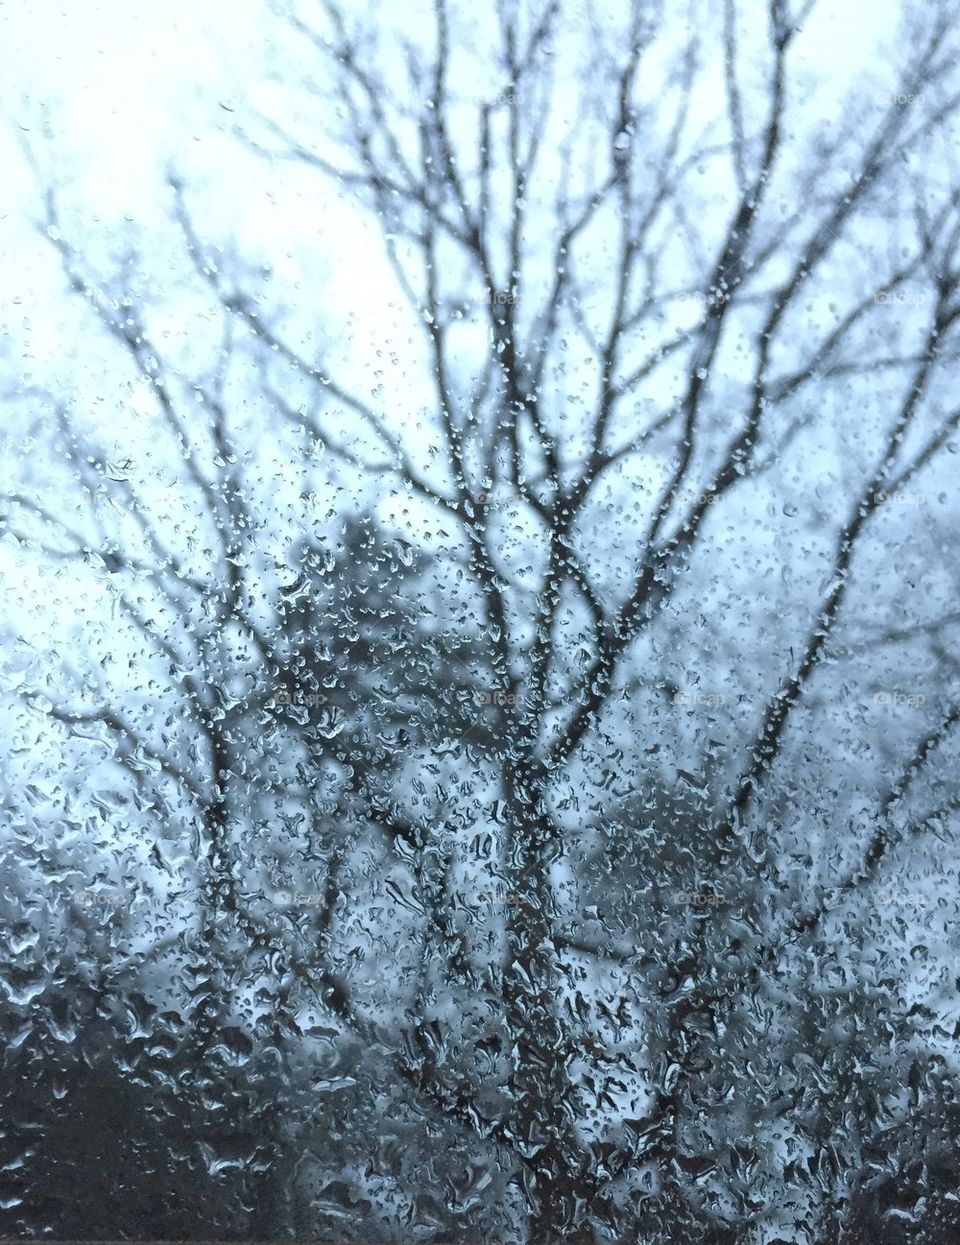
557,1181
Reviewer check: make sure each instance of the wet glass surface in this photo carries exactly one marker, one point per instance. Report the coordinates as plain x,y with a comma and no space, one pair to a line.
478,534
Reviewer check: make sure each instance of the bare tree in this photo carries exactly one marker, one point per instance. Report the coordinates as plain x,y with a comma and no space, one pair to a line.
557,669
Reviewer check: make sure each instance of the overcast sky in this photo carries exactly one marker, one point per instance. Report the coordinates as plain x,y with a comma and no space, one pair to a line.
109,94
126,89
126,86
